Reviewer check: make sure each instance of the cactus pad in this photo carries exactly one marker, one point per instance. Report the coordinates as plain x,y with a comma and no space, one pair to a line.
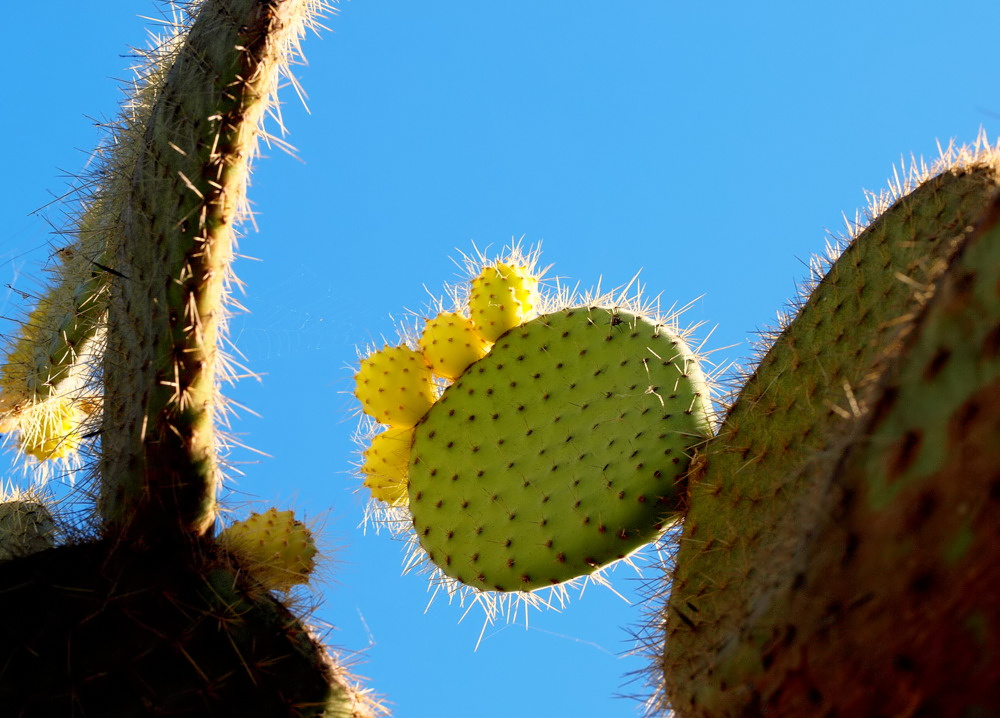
812,507
561,451
279,549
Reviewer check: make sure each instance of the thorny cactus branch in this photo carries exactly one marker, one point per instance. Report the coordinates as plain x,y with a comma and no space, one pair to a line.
165,313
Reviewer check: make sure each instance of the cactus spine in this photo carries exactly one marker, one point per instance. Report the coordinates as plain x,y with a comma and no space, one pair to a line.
155,615
836,557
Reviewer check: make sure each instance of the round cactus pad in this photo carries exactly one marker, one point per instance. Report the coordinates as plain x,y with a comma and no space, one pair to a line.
559,452
280,549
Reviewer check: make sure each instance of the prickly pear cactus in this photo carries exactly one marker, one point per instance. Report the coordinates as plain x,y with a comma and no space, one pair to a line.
279,550
142,611
840,552
556,443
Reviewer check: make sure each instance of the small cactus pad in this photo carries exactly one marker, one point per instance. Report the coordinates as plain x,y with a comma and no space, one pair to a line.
386,465
450,343
50,430
395,386
26,527
561,451
502,297
279,549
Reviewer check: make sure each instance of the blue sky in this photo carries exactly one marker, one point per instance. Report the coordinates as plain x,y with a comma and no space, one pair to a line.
711,145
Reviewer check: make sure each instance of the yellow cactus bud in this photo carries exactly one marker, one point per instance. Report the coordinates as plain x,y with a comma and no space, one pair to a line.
278,549
525,287
394,494
450,344
387,464
50,430
395,386
502,297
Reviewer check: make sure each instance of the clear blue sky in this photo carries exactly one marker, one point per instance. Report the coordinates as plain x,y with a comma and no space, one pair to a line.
711,145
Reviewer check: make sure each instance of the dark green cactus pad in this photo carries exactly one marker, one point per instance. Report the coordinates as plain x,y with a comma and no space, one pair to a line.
770,564
908,563
26,527
562,450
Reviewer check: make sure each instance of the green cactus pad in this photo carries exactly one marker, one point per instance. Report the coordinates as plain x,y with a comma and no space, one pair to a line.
561,451
773,477
278,549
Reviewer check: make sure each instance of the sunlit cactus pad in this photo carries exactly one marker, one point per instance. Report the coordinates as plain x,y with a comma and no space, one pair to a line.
279,549
556,440
559,452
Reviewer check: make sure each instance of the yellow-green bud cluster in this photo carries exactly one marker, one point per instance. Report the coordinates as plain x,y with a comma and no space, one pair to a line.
278,549
396,385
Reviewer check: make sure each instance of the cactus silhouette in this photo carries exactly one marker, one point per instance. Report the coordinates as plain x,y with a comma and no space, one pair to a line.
147,613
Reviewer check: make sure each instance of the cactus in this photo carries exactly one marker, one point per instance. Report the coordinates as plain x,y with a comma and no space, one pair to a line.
559,446
450,343
501,298
395,386
839,556
279,550
26,524
143,611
